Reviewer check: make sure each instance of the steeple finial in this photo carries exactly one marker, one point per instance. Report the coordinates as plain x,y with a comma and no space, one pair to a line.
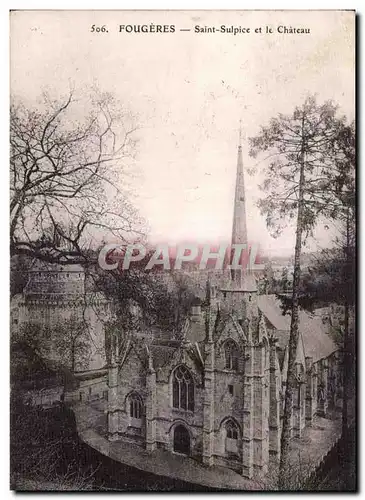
240,134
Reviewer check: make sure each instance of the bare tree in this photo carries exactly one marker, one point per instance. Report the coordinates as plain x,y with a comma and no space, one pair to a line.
66,173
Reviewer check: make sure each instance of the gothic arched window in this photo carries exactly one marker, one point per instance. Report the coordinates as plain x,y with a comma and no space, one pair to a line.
231,355
232,430
232,436
135,406
183,389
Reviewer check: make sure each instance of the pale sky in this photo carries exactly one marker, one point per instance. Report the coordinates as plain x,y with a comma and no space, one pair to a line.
190,90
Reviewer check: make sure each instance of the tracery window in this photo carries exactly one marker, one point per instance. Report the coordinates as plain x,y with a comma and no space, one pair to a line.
183,389
232,430
135,406
232,436
231,355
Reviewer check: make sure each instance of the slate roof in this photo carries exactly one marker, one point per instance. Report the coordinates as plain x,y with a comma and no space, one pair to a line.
317,342
269,305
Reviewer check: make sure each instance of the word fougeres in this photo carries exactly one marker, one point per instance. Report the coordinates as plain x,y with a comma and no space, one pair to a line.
147,28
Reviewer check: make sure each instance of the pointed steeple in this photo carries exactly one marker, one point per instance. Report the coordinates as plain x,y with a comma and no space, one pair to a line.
241,290
239,230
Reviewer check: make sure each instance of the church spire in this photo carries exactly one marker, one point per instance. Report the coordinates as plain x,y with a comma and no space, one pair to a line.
242,280
239,229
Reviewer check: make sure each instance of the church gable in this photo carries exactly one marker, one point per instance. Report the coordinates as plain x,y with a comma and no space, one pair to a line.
183,355
132,373
231,329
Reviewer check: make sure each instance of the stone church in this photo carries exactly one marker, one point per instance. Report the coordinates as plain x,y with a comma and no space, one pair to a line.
216,393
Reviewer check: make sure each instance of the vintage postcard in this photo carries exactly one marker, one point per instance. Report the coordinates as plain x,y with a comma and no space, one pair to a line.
183,250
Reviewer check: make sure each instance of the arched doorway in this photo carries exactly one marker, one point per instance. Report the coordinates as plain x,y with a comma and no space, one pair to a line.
181,440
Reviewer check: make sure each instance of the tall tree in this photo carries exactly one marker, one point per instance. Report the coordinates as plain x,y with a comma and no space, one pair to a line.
300,166
332,276
67,162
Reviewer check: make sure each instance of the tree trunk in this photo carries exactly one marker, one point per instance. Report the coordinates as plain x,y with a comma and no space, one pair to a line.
348,366
73,355
294,330
346,385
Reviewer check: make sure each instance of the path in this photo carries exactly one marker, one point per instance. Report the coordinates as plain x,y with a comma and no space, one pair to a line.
306,452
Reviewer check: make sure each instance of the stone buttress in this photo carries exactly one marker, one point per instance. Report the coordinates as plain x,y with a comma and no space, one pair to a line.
150,406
